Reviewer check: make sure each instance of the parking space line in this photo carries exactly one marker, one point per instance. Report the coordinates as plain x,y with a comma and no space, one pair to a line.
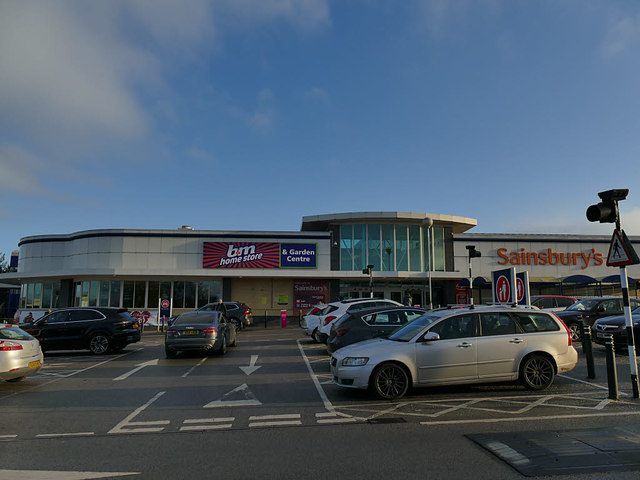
54,435
195,366
120,427
275,420
323,396
526,419
207,424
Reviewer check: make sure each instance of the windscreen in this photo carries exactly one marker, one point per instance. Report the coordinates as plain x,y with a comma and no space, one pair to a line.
14,333
410,330
583,305
199,319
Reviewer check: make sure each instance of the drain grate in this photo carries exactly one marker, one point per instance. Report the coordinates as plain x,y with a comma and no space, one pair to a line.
566,452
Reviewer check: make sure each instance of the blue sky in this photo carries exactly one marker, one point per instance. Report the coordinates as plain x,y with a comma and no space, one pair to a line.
250,114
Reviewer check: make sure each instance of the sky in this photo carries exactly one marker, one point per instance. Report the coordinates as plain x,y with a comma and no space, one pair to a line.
250,114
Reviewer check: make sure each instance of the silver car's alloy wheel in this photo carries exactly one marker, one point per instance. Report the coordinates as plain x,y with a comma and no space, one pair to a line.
99,344
390,381
223,348
537,372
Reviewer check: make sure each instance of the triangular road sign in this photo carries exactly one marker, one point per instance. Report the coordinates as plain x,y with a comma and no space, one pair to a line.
621,252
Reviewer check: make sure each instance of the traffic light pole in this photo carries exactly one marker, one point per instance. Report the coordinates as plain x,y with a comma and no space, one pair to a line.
628,320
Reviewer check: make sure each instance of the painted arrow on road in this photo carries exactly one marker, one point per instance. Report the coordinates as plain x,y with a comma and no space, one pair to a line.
252,365
139,367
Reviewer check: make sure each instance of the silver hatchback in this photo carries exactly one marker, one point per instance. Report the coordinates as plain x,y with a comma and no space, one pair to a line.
468,345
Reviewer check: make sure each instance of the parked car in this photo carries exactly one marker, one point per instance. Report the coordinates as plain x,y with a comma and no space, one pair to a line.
311,320
589,310
98,329
552,303
20,353
207,332
362,325
468,345
616,326
344,306
239,313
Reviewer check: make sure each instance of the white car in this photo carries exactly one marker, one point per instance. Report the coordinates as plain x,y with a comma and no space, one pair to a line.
329,317
20,353
468,345
311,320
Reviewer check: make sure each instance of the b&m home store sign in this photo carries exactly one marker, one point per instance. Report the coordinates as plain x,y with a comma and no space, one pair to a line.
259,255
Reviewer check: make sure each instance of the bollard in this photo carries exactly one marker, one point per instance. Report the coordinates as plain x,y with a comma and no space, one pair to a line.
283,318
612,374
587,349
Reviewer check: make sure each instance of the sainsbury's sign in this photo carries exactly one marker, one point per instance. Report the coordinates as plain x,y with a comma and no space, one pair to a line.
550,257
259,255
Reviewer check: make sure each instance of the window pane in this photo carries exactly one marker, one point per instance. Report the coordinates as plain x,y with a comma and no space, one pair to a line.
402,260
438,234
346,247
140,294
104,293
178,294
190,294
37,295
30,295
165,290
153,295
387,247
93,293
203,293
78,295
127,294
46,295
373,232
414,248
55,295
84,300
114,298
497,324
359,247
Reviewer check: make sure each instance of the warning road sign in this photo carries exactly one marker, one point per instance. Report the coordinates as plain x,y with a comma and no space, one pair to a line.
621,252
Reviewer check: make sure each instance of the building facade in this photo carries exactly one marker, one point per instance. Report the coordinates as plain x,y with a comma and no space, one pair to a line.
271,271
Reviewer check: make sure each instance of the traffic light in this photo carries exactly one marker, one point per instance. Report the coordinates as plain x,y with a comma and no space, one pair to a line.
607,210
368,270
473,253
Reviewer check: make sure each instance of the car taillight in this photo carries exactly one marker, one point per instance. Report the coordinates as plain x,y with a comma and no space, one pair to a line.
246,311
6,346
565,327
329,319
213,331
172,331
341,331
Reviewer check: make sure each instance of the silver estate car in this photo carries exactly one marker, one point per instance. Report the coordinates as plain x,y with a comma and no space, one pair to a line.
20,353
466,345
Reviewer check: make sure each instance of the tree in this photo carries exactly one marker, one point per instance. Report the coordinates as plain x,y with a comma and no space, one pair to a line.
4,266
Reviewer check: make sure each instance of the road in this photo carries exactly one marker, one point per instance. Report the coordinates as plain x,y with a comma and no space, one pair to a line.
268,409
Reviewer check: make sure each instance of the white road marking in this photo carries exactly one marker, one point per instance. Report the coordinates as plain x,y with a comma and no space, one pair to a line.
194,367
243,391
526,419
120,428
252,365
59,475
53,435
334,417
138,368
323,396
8,436
207,424
274,420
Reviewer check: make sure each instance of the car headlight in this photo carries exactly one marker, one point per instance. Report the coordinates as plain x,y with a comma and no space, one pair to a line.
355,361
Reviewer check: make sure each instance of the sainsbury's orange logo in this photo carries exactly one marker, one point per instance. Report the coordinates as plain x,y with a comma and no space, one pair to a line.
549,257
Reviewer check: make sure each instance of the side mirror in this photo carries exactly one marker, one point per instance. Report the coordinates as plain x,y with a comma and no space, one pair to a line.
431,336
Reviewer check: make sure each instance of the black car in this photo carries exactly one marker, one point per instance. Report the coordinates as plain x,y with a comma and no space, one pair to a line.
364,324
98,329
237,312
591,309
206,332
616,326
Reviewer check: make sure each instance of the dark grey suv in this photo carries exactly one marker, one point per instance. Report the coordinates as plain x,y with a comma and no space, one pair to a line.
98,329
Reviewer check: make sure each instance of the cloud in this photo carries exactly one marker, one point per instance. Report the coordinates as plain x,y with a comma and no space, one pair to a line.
264,118
622,34
200,155
317,94
304,15
19,169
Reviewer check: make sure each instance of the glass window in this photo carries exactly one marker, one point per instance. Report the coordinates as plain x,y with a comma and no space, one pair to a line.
114,297
81,315
84,300
23,295
438,249
46,295
497,323
387,247
165,289
536,322
153,295
414,248
564,302
373,241
359,246
30,295
78,295
544,302
389,318
140,294
413,314
103,299
37,295
127,293
402,249
55,297
93,293
203,293
346,247
178,294
460,326
189,294
57,317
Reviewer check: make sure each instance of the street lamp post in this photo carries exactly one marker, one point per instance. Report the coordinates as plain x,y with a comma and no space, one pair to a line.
472,253
428,222
369,271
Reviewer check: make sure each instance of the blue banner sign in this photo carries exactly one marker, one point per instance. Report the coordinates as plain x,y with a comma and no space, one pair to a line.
298,255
